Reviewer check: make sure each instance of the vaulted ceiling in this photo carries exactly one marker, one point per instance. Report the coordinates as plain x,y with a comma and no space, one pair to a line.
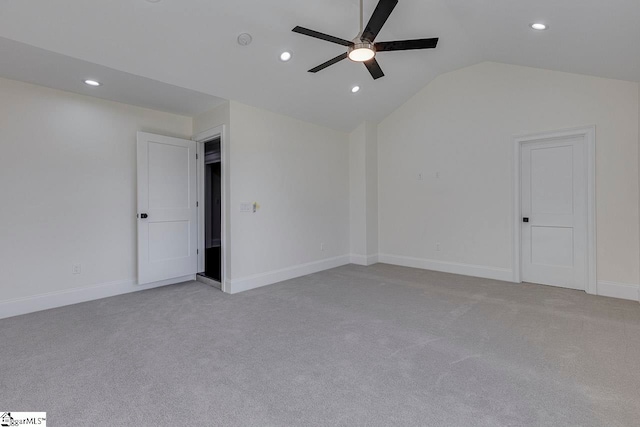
192,44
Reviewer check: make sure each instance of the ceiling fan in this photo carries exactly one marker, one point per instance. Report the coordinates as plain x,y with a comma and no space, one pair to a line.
362,48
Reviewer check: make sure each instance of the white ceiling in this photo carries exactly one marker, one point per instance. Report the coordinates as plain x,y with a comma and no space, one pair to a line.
30,64
192,44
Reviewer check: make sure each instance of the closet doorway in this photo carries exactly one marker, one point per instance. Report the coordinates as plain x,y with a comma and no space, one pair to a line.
213,197
212,211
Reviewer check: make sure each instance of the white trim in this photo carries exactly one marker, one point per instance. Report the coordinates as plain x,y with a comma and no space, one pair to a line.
619,290
363,259
201,205
264,279
209,134
18,306
448,267
201,138
589,133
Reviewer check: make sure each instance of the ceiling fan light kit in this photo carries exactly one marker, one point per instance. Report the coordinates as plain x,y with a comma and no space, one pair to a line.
361,52
363,48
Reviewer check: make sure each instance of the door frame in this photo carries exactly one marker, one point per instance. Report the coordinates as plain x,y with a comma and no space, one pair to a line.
589,134
201,138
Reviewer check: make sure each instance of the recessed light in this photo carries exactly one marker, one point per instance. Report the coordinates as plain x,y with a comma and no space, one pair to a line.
285,56
355,89
539,26
92,83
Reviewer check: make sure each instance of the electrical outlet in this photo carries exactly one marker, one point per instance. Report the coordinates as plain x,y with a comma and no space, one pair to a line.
322,246
419,177
438,247
76,269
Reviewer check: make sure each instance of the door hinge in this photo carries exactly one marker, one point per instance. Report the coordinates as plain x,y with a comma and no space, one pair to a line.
197,204
196,156
197,251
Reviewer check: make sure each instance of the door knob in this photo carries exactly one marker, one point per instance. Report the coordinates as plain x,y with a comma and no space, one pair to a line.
525,219
144,216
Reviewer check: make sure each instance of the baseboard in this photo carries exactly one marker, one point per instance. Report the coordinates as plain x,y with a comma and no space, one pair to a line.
619,290
264,279
18,306
363,259
449,267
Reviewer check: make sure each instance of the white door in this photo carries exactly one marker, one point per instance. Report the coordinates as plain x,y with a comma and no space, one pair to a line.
554,212
167,209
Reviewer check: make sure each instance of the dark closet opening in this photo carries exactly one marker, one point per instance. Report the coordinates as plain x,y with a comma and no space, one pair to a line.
213,211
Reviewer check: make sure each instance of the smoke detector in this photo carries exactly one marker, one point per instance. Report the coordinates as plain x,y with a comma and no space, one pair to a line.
244,39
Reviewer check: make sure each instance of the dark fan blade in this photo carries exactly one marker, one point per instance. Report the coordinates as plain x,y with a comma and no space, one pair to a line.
406,45
329,63
379,17
321,36
374,68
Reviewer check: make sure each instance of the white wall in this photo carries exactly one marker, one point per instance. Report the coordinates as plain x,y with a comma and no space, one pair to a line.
68,189
363,193
212,118
299,174
67,169
462,126
358,192
371,161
